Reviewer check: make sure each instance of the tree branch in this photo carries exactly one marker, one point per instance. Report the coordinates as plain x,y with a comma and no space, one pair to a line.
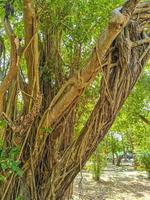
140,42
14,60
144,119
121,79
129,7
31,48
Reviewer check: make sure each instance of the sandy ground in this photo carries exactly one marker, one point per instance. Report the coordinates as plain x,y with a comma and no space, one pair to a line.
117,183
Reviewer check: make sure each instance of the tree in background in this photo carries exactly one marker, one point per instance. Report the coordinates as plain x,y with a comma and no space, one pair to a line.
43,77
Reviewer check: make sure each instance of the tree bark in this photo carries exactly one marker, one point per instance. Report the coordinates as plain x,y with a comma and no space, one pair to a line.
49,156
74,87
116,85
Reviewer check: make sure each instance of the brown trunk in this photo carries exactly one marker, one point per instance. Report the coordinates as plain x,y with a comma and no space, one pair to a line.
116,85
120,157
49,156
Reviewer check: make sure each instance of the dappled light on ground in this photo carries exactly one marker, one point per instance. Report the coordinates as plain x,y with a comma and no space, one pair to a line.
116,183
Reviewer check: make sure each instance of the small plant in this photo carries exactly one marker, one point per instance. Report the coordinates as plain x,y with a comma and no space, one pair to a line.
19,198
9,162
99,161
145,162
98,165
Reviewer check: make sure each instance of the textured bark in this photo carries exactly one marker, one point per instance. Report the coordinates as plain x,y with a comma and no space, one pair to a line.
31,50
14,61
74,87
116,85
49,157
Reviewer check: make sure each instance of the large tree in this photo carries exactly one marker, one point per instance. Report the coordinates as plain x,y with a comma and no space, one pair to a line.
42,82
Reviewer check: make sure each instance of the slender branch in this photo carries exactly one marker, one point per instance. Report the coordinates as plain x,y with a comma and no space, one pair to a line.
140,42
144,119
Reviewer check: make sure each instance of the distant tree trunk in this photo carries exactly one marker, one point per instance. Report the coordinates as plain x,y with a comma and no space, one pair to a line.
113,158
119,159
50,157
132,145
113,150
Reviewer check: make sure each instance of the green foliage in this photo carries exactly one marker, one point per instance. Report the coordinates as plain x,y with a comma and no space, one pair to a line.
19,198
9,162
97,162
2,178
144,159
46,130
79,22
3,124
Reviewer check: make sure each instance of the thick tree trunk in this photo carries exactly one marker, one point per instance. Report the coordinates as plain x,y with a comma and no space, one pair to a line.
119,159
49,157
116,85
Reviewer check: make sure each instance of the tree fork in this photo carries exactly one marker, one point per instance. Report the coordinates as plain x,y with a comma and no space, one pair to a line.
121,79
75,86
